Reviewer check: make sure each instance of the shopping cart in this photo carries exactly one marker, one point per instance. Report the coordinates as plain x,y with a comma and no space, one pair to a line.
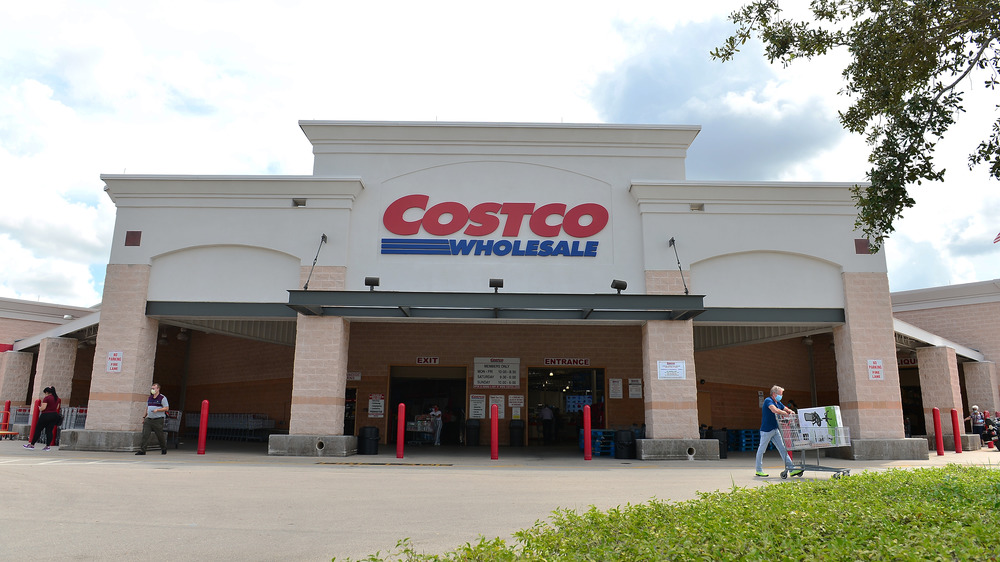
805,439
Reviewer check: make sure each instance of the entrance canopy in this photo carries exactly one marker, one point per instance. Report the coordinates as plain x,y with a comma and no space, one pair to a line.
531,306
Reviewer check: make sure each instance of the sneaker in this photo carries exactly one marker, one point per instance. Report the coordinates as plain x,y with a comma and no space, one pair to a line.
796,472
47,449
29,446
761,474
140,452
163,451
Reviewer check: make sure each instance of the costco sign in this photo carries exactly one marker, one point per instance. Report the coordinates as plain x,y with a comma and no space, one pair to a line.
491,227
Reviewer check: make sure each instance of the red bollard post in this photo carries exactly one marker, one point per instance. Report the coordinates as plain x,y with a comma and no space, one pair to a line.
203,427
6,416
588,446
34,420
939,439
494,432
957,427
400,430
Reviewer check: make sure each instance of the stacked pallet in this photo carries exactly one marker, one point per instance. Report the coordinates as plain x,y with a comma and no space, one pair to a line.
602,442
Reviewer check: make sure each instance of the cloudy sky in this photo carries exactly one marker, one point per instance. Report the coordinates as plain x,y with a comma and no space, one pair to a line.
218,88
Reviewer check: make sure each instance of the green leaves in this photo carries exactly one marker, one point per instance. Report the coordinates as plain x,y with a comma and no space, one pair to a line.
909,63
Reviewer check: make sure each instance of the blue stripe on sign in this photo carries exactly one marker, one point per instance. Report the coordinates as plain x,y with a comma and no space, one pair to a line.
423,246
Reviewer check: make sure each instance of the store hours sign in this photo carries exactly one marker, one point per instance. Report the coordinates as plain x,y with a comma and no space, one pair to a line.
497,372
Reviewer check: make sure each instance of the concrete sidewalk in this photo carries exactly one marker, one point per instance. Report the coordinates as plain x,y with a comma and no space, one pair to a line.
238,503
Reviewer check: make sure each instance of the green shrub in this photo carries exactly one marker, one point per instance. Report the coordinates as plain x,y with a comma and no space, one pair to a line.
949,513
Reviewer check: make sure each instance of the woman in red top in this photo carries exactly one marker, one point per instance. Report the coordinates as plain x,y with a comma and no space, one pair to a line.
48,418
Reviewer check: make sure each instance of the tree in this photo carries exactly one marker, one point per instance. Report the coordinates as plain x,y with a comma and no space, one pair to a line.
909,63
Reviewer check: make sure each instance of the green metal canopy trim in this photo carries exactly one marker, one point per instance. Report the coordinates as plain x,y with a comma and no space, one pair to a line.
534,306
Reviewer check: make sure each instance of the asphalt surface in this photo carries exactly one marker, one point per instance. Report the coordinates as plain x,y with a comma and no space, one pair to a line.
237,503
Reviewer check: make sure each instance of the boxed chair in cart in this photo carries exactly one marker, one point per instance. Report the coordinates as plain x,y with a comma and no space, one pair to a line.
814,428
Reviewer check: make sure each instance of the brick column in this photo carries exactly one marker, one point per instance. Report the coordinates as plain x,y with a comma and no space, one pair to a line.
319,379
981,385
56,363
939,386
872,409
117,400
15,373
671,405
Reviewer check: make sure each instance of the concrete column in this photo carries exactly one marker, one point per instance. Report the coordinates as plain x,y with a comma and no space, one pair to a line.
319,379
939,386
873,409
981,385
117,399
56,363
15,374
671,405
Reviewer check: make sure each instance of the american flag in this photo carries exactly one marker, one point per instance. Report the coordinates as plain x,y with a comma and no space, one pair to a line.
997,239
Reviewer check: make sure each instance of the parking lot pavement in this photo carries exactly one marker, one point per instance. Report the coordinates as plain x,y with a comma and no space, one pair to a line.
236,502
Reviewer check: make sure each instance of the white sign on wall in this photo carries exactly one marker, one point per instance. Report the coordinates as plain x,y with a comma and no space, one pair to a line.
614,388
668,370
497,372
635,388
875,370
477,406
353,375
498,400
115,359
376,405
515,400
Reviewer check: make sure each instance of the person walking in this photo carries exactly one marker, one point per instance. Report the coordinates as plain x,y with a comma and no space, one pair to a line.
978,421
769,433
436,423
156,413
48,419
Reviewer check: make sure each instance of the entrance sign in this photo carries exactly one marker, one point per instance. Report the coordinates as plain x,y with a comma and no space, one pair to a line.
667,370
875,370
115,359
376,405
477,406
497,372
566,362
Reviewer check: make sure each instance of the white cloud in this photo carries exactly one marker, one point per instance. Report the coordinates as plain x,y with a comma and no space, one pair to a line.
218,87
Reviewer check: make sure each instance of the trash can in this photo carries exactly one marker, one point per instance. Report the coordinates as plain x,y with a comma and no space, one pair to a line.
723,436
472,433
624,444
368,440
517,433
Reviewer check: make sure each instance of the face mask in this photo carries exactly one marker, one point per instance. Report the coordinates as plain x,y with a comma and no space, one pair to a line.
777,397
153,392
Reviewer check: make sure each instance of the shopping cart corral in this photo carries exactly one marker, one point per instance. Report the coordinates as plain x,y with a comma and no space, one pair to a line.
232,427
805,439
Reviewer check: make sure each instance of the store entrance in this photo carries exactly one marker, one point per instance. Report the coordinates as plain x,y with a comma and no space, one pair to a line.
420,388
564,391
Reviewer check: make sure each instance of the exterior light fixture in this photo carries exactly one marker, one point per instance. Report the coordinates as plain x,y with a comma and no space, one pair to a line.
496,285
371,283
619,285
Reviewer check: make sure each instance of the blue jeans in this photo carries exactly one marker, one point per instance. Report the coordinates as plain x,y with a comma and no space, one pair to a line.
772,437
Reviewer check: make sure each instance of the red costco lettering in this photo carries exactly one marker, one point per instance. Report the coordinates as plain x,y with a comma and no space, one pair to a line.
449,217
